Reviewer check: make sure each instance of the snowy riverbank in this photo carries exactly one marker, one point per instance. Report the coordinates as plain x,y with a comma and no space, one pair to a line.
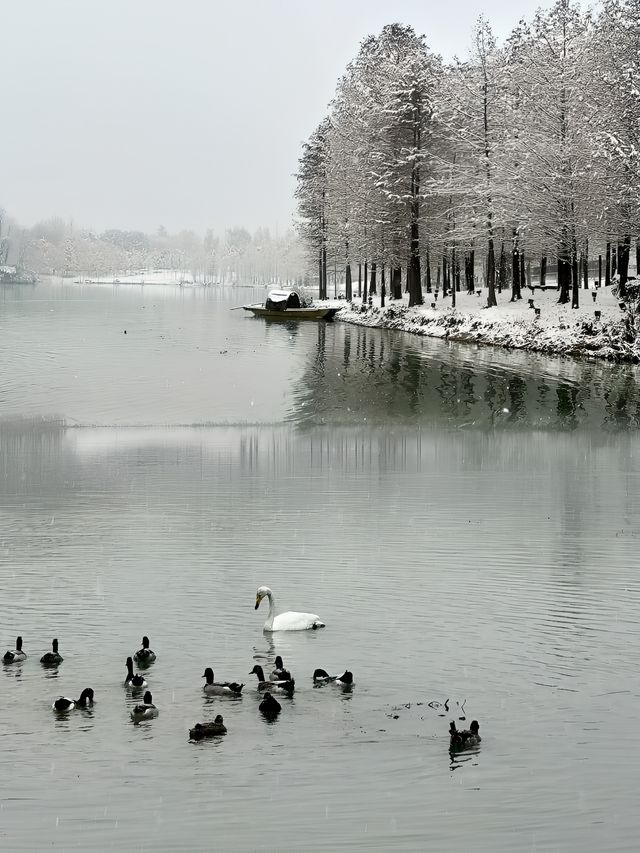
557,330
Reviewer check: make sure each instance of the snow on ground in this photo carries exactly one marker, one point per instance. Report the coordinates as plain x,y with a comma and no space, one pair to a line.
142,277
558,330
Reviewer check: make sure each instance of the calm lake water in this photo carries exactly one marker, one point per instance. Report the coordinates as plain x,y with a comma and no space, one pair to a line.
466,521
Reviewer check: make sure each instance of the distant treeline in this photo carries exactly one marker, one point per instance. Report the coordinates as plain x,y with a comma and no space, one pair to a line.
56,247
524,155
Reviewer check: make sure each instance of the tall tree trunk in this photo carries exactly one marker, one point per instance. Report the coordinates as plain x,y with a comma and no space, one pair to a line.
637,258
428,262
364,283
444,275
516,269
580,268
585,267
383,287
575,279
623,263
523,279
414,274
324,273
360,280
502,269
614,260
564,279
347,281
564,275
543,270
470,269
319,274
491,275
396,283
452,267
372,280
607,266
599,270
491,259
415,278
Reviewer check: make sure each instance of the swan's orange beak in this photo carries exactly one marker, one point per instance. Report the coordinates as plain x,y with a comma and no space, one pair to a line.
258,600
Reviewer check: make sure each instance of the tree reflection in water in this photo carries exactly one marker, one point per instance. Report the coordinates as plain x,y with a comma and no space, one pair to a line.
358,374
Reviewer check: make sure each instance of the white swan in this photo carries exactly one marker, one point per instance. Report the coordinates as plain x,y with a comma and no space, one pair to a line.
289,621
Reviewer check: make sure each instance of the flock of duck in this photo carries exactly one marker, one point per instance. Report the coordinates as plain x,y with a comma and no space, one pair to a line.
280,680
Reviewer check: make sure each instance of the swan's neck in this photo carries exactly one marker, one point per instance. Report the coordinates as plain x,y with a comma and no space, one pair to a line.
272,609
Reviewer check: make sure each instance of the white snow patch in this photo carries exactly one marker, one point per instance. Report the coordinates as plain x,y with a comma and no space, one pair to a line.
559,329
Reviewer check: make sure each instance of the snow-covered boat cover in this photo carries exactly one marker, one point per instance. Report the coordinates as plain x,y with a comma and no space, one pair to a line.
281,299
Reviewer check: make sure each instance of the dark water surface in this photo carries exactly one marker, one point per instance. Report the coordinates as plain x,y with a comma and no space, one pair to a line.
466,521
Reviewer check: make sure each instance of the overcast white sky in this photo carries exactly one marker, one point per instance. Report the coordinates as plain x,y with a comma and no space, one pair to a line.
190,114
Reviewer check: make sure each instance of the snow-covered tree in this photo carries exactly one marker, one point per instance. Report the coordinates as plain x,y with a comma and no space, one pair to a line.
614,125
471,111
312,198
360,182
546,146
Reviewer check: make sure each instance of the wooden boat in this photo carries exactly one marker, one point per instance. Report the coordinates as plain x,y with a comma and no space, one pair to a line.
288,305
292,313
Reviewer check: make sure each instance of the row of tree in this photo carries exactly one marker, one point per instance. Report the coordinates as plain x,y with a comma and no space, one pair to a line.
469,172
59,248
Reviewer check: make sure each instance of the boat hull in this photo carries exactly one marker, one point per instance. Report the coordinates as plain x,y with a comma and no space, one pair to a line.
292,313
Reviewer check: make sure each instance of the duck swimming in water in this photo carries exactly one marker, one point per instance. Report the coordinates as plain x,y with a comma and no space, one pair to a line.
136,682
203,730
321,676
289,621
284,686
146,711
62,705
464,739
280,673
144,655
52,658
220,688
269,707
15,656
